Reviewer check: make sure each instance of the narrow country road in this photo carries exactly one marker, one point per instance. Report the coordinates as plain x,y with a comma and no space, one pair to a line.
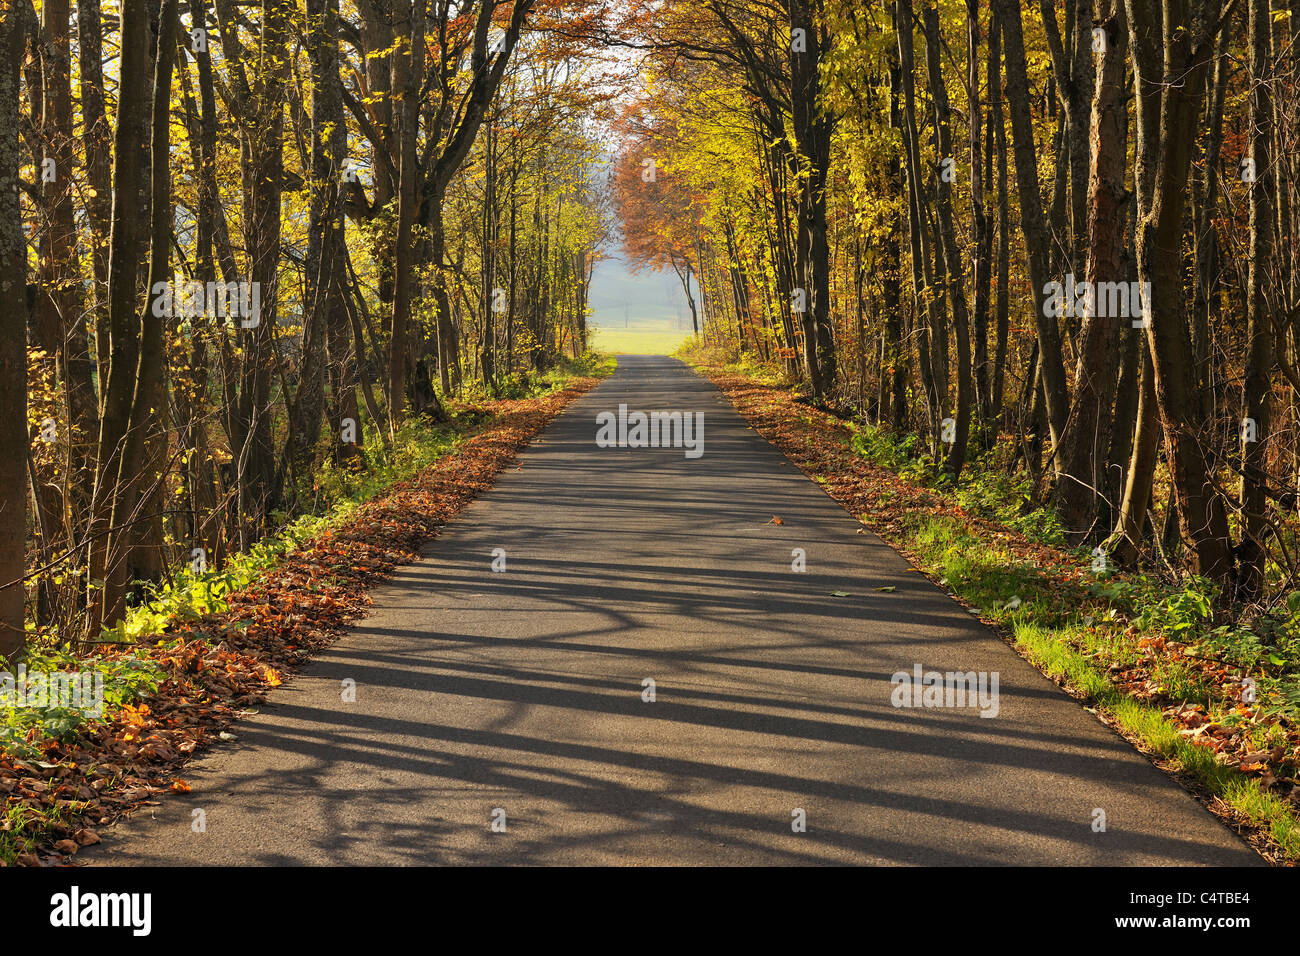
522,691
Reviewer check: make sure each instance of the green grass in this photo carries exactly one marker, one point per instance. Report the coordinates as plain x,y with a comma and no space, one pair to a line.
22,828
529,384
1065,640
638,341
338,493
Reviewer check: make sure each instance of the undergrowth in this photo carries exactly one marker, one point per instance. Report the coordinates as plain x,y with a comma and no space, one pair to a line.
194,591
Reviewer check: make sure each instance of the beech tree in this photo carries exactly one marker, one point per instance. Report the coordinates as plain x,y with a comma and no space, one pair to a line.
212,227
392,206
13,337
1144,408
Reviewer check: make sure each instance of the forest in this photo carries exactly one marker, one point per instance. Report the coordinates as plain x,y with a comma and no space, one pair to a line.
286,284
1058,239
249,242
250,246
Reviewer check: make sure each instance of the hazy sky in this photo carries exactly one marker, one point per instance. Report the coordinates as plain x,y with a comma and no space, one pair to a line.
645,299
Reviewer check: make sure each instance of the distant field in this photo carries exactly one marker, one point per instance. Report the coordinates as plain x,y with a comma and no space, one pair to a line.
637,341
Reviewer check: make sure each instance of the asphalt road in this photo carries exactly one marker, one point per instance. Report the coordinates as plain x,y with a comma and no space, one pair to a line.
518,696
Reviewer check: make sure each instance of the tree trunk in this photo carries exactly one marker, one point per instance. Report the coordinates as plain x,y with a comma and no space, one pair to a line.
954,272
60,271
263,185
408,76
1086,439
923,300
1072,69
13,347
1179,72
981,235
126,251
895,364
1037,239
1002,304
325,231
98,143
812,131
1259,333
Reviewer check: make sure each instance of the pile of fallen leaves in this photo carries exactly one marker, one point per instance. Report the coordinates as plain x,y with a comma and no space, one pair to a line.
886,502
219,666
